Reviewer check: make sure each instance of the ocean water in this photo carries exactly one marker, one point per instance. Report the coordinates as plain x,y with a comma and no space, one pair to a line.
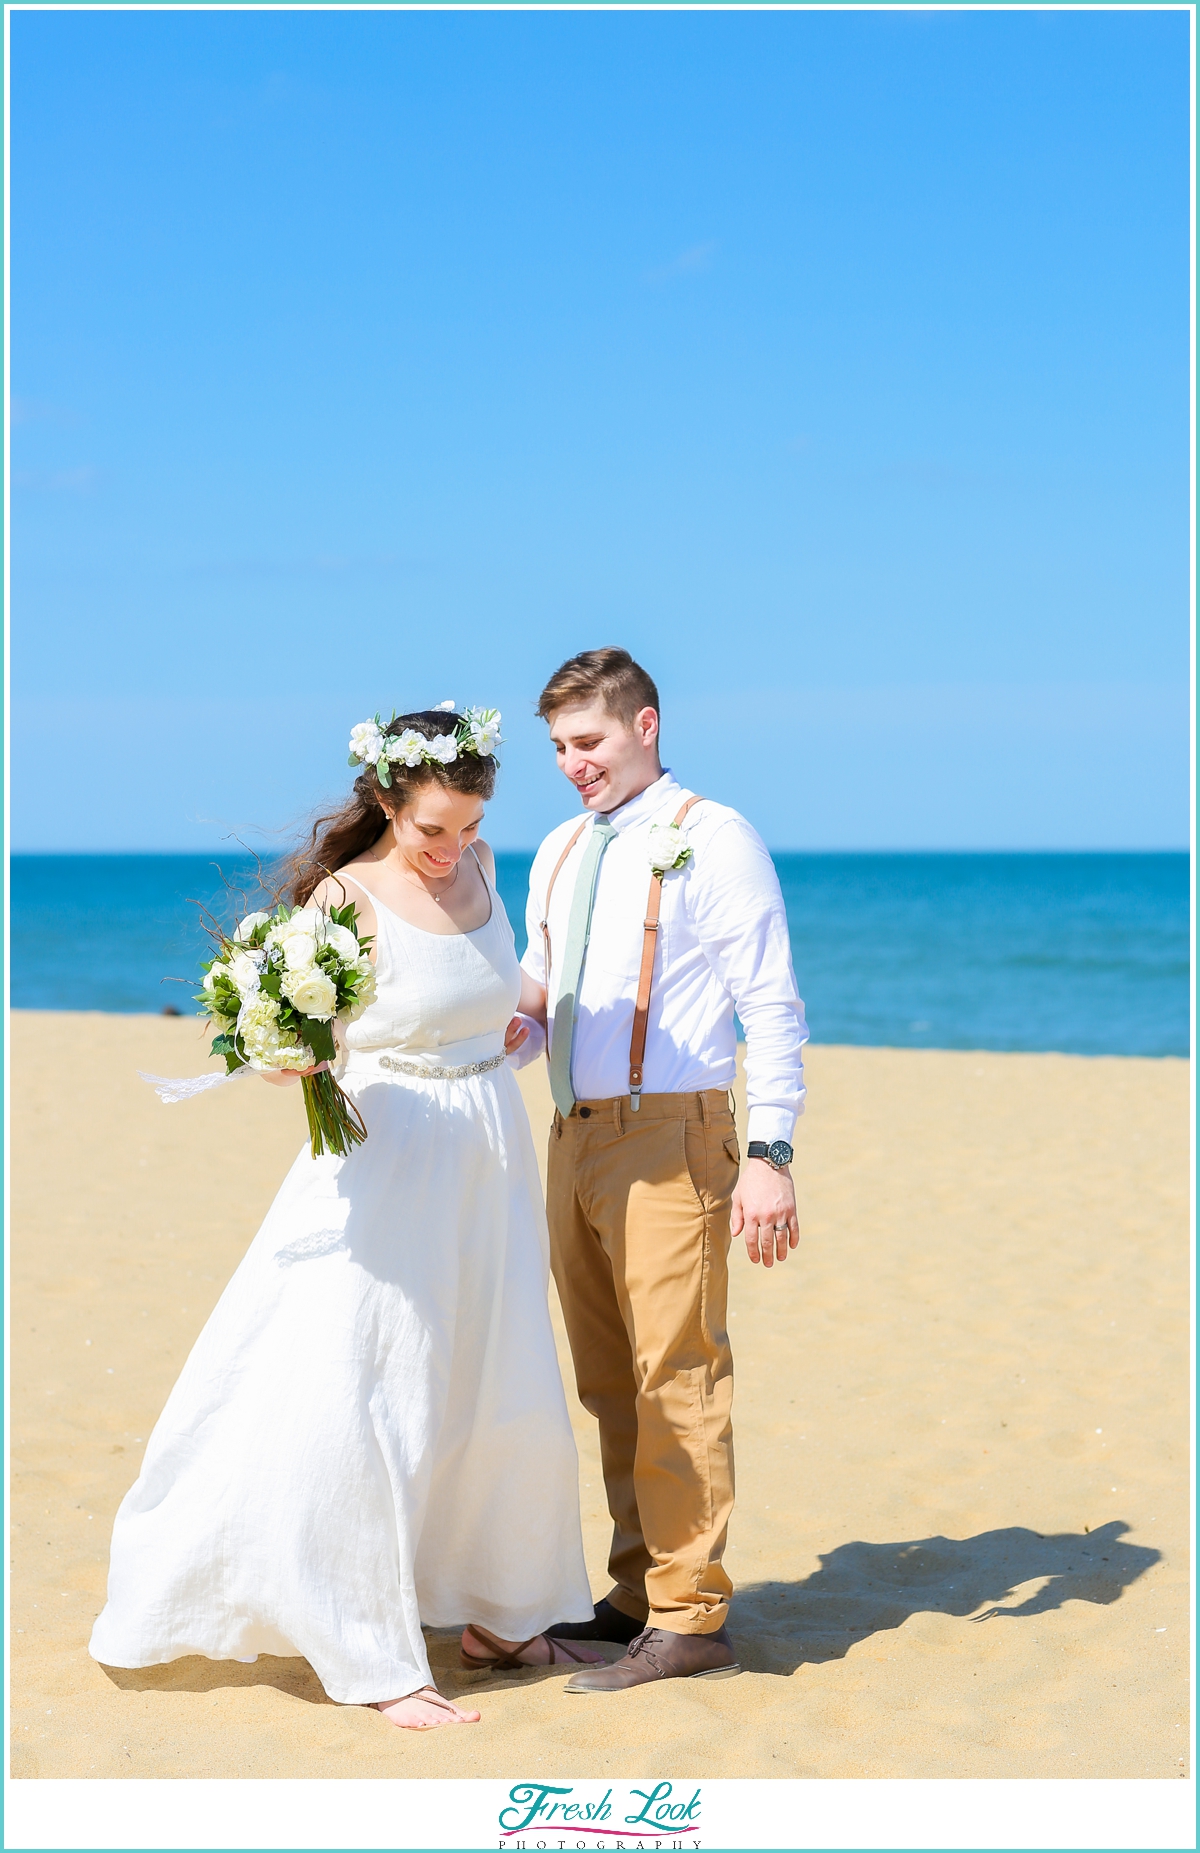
1084,953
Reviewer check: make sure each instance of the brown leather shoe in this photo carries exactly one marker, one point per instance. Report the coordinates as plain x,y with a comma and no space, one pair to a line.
655,1654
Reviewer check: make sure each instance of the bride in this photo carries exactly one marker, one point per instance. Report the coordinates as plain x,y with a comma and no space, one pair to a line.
371,1431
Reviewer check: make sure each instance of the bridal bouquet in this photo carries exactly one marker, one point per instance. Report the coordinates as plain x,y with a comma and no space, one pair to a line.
274,992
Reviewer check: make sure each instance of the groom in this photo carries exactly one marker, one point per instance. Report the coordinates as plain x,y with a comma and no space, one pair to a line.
650,923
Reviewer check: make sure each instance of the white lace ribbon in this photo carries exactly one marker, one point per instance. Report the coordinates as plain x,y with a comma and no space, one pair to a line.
169,1091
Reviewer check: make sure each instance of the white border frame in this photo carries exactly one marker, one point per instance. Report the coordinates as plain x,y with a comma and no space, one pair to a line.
458,1814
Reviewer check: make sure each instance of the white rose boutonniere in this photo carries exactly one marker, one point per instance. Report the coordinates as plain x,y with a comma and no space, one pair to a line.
667,848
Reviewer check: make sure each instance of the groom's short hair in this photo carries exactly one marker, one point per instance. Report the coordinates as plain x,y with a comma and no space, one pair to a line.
610,677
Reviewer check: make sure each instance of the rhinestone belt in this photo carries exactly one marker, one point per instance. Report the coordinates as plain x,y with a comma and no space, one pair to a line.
442,1074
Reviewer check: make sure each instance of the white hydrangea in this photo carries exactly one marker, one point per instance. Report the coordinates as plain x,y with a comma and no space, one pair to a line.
443,748
292,1054
408,747
258,1026
366,743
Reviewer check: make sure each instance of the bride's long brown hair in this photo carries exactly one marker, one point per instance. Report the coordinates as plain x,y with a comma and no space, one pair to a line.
342,835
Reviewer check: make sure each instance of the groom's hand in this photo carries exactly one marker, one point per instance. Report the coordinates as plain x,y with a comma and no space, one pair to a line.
764,1211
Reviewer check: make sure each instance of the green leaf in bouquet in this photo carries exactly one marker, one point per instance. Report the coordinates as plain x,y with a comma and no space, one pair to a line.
269,982
319,1037
223,1045
233,1061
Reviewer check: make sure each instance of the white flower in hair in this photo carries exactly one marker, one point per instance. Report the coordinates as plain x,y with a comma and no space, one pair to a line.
366,743
443,707
407,747
483,731
443,748
667,848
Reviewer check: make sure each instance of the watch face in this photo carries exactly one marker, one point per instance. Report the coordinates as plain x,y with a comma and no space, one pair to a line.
780,1152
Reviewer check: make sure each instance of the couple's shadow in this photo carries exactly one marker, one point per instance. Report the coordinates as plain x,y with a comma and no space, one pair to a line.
863,1589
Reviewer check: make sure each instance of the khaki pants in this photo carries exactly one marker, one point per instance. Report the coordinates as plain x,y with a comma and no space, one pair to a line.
639,1241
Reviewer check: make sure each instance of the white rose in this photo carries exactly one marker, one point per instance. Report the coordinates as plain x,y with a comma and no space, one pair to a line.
407,747
312,992
443,747
343,942
305,920
247,926
299,951
244,968
366,742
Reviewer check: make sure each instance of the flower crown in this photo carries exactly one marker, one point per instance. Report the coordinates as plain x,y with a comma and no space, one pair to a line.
478,732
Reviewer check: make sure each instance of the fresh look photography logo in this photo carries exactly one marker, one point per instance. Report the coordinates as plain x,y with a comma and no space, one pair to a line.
568,1814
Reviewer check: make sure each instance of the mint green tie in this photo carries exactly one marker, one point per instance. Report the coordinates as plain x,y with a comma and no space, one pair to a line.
578,929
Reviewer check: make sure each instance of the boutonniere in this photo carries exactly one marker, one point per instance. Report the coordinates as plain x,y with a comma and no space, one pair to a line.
667,848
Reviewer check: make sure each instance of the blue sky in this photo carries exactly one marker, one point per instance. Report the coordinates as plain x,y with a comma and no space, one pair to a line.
834,363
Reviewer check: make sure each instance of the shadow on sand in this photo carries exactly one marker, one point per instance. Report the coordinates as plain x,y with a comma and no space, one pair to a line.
864,1589
297,1679
861,1589
196,1674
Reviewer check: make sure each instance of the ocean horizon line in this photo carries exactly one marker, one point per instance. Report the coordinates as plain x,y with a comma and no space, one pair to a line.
1085,951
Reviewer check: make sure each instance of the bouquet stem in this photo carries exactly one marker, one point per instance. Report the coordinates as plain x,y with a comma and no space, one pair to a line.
334,1122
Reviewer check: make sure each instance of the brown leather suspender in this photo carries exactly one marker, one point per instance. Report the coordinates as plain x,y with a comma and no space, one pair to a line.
575,836
641,1009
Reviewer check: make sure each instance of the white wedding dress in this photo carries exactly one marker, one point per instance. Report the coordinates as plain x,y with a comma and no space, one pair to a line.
371,1431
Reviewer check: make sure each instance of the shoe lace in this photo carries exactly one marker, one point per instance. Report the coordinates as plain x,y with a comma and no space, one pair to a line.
645,1643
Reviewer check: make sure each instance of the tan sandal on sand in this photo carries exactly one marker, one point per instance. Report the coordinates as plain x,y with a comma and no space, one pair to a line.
504,1659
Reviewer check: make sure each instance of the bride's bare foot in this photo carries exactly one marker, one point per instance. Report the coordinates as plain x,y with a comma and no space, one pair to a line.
479,1648
423,1711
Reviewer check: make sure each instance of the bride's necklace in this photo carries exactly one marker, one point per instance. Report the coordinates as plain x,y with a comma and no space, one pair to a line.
420,881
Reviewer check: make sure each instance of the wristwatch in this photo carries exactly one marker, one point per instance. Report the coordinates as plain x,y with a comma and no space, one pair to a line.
778,1154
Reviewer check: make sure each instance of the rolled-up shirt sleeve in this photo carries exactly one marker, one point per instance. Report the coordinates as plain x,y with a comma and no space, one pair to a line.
739,918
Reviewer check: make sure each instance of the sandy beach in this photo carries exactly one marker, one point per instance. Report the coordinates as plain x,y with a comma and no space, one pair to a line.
961,1420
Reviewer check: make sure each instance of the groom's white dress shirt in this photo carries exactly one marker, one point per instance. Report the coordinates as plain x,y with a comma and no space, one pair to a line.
722,946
